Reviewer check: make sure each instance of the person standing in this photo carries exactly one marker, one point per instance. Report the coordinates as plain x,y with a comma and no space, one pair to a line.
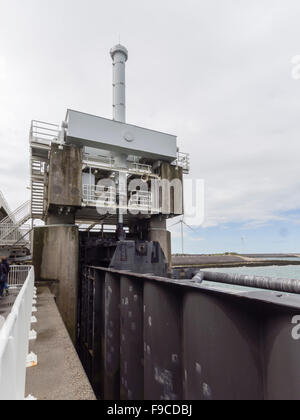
2,277
7,270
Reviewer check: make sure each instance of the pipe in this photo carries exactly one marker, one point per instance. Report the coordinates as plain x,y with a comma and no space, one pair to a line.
199,277
269,283
119,55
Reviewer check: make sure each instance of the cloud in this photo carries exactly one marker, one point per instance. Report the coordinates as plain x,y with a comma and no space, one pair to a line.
3,72
217,74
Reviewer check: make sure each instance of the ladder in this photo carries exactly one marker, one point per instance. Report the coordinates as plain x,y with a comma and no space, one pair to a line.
38,168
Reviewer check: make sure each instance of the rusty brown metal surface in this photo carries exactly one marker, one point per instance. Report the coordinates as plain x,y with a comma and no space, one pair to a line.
171,340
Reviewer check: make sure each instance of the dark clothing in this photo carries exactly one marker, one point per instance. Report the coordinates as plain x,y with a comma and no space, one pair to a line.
7,269
3,277
6,266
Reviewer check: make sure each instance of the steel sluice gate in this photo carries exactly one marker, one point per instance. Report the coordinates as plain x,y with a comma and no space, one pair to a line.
144,337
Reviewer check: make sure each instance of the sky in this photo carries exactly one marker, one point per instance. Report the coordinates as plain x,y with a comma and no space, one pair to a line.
217,73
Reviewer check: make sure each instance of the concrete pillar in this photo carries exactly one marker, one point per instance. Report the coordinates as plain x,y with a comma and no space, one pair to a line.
158,233
55,257
63,219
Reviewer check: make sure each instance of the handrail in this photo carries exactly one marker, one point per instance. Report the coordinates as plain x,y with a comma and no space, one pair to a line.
22,237
4,204
11,232
39,128
14,344
18,275
17,215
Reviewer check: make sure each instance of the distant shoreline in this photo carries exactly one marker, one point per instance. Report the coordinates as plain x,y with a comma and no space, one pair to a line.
239,264
231,261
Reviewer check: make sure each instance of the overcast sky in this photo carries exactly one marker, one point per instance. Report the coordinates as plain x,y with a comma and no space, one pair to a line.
217,73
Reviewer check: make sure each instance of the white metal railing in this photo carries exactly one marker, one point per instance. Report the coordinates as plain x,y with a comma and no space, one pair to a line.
95,195
18,215
11,234
14,344
18,275
183,160
105,162
4,204
140,168
44,133
140,200
99,195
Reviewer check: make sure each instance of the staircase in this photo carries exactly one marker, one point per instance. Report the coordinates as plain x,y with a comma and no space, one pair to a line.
12,227
38,169
42,135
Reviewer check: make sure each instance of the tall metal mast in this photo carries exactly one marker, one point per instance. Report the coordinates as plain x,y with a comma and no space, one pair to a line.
119,55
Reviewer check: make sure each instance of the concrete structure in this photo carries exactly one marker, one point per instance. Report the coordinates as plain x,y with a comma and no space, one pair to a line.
90,170
55,258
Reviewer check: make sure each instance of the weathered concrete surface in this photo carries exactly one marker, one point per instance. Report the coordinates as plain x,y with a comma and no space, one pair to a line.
158,233
55,258
171,200
65,179
59,374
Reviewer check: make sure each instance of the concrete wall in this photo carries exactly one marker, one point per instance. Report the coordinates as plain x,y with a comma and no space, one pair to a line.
171,197
55,257
158,233
65,176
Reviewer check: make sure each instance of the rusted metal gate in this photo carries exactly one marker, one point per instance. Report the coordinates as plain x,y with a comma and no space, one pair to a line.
143,337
